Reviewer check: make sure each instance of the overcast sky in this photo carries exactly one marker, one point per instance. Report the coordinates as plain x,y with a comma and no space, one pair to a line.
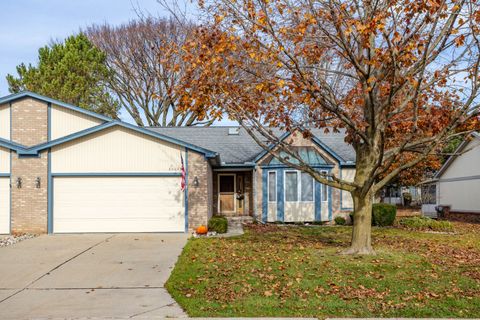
26,25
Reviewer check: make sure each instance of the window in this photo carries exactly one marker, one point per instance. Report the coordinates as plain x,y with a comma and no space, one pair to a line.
291,186
272,186
306,187
324,190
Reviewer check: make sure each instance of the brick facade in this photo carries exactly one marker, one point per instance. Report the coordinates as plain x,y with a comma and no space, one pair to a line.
200,197
29,201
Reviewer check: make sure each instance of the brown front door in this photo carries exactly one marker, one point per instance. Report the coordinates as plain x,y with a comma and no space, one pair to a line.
226,193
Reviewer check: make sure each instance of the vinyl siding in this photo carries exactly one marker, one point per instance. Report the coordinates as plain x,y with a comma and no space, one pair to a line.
4,205
5,121
64,122
4,160
460,195
347,201
116,150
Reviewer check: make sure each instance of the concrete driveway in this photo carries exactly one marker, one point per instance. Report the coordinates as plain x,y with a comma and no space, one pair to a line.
89,276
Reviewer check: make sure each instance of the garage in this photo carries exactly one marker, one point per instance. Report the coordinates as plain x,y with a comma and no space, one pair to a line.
118,204
4,205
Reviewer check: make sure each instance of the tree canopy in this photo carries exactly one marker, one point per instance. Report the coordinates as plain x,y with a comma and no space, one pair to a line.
400,76
73,71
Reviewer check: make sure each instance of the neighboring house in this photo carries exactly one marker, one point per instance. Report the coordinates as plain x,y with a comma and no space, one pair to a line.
64,170
457,183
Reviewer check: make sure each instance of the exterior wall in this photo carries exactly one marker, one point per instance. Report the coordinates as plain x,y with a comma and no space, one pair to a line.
5,121
346,197
28,203
4,160
460,195
29,127
458,186
29,122
65,121
466,164
198,197
335,195
116,150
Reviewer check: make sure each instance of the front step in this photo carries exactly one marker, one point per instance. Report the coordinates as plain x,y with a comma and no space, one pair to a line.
239,221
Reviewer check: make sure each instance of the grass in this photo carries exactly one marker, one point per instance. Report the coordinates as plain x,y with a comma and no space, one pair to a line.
423,223
296,271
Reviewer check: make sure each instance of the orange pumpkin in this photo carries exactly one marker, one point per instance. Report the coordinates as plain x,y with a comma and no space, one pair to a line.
202,230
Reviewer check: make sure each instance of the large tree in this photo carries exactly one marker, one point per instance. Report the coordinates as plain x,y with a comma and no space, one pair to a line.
146,58
400,76
73,71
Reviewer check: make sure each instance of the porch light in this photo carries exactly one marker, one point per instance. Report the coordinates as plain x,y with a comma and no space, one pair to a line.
37,183
195,182
19,182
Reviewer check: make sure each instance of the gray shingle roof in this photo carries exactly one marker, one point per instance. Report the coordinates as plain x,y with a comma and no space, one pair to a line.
241,148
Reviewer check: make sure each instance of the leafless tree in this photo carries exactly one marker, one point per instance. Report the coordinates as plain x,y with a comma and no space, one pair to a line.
146,59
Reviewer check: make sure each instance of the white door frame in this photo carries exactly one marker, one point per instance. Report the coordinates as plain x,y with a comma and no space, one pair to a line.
234,192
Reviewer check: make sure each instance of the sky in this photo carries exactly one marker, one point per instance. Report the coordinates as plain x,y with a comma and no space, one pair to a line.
27,25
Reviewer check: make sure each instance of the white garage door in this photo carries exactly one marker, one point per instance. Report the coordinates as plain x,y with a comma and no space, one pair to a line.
4,205
118,204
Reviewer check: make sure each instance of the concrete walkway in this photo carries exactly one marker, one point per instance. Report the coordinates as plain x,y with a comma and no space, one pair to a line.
89,276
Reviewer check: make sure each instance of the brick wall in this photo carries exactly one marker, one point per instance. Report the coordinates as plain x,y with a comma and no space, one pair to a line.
29,204
199,198
29,122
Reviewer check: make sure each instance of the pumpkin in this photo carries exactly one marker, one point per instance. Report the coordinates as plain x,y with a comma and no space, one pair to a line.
202,230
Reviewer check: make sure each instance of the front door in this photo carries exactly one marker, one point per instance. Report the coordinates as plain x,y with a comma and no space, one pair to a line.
226,193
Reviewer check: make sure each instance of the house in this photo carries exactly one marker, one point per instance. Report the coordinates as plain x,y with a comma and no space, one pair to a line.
457,183
64,169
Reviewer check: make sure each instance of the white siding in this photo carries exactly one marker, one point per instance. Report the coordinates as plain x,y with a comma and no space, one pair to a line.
299,211
118,204
4,160
4,205
461,195
5,121
65,121
466,164
272,212
347,201
116,149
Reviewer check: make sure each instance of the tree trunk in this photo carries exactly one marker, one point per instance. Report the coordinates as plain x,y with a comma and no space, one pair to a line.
362,225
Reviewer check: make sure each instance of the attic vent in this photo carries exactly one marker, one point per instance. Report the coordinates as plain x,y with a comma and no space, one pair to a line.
233,131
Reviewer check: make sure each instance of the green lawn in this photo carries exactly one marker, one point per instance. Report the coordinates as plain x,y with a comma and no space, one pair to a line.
297,271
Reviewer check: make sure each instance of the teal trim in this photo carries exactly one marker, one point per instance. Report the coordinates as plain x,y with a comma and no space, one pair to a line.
3,175
117,174
264,152
265,195
318,201
26,94
280,195
330,212
49,195
36,149
235,165
186,190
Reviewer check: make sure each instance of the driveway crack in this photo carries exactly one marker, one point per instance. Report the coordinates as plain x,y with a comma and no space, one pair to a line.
56,267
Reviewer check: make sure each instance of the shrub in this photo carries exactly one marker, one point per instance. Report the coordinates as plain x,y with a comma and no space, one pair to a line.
383,214
424,223
340,221
218,224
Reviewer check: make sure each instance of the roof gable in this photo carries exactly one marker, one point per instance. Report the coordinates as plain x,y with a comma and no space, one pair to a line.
456,154
28,94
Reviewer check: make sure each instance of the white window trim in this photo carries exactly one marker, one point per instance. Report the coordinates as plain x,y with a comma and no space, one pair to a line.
234,192
324,186
299,188
268,186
